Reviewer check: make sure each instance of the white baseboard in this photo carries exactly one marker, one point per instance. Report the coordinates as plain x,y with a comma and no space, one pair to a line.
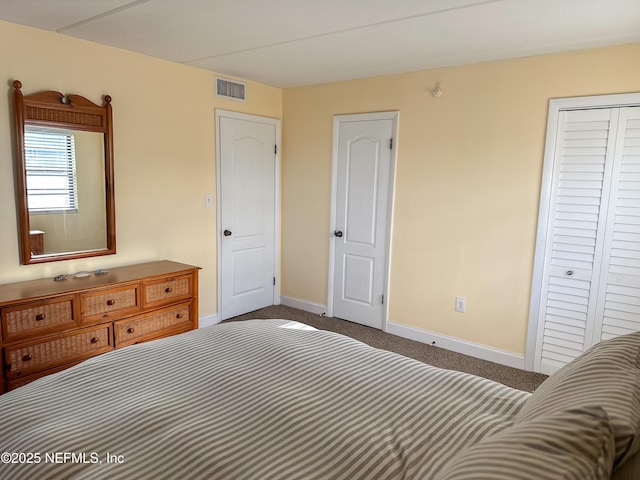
457,345
454,344
316,308
208,320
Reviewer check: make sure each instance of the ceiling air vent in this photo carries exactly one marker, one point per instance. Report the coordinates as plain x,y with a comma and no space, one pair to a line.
231,89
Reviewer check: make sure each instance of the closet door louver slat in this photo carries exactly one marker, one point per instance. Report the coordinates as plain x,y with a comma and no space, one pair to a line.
618,310
574,245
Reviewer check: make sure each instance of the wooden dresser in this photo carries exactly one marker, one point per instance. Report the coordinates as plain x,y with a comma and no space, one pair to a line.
48,326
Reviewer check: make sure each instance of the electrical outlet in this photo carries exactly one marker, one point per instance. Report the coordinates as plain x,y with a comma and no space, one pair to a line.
461,304
208,199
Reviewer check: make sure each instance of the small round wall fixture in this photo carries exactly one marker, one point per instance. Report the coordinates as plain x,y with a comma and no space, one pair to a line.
436,92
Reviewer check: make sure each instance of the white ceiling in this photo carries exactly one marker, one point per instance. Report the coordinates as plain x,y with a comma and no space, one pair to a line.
288,43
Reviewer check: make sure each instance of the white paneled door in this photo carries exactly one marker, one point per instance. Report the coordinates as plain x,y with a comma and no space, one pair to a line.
590,277
363,172
247,213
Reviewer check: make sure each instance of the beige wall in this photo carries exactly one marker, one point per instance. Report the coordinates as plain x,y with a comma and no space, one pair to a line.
164,145
467,187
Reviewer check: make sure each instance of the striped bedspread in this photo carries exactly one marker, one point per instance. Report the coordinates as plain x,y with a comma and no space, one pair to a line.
260,399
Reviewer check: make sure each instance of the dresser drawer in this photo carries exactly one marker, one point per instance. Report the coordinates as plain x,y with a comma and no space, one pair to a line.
110,303
168,290
36,318
20,381
26,358
153,325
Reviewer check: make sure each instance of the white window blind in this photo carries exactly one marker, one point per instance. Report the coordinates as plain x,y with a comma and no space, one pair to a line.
51,171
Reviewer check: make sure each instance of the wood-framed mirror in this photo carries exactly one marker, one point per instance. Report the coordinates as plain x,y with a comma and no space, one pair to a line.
64,177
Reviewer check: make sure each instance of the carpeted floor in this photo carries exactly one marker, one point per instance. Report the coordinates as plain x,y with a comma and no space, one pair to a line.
436,356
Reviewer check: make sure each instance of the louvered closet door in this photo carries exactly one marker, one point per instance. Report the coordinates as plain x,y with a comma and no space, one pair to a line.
618,309
584,160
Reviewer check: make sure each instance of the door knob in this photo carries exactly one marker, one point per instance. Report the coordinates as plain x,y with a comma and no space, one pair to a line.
226,233
338,233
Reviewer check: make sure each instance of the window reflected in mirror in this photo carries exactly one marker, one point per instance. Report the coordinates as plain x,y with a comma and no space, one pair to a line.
50,162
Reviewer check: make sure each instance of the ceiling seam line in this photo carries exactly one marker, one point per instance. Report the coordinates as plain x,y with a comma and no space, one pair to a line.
101,15
345,30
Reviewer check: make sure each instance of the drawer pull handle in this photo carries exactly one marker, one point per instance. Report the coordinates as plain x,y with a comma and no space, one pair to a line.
95,340
179,316
131,330
168,290
111,302
40,316
27,357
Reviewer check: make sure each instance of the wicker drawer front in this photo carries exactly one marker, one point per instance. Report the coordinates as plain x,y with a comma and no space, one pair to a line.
107,304
131,330
167,290
20,381
24,359
33,319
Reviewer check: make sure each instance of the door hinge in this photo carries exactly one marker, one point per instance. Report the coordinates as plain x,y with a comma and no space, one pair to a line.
275,149
391,143
382,299
274,281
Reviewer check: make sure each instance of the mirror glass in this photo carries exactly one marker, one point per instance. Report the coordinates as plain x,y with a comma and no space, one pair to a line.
64,176
65,190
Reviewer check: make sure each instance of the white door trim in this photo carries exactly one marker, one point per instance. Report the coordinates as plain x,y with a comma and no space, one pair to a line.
219,113
555,106
337,119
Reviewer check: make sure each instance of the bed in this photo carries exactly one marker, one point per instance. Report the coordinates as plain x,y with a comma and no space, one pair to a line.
276,399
